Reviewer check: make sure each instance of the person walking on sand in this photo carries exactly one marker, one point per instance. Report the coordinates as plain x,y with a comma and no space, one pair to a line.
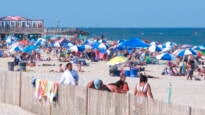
143,88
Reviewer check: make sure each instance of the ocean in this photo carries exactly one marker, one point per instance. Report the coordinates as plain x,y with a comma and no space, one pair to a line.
193,36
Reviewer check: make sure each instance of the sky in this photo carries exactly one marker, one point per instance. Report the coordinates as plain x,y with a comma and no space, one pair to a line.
109,13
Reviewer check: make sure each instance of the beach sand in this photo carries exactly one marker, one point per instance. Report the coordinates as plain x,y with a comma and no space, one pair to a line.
184,92
6,109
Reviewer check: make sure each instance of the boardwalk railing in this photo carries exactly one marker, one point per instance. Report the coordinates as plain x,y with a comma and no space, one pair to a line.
16,89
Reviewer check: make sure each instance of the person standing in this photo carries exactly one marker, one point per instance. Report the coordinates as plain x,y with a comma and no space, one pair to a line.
69,76
143,88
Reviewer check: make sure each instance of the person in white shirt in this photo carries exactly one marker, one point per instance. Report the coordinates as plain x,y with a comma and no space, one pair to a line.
70,76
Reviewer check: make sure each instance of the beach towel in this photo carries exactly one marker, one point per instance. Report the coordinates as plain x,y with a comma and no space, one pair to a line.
46,89
41,88
53,95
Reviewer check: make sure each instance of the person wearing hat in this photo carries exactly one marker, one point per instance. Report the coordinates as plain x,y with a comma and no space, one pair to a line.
98,85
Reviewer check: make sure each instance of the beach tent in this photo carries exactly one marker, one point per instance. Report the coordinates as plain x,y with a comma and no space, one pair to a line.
165,56
134,43
117,60
184,52
30,48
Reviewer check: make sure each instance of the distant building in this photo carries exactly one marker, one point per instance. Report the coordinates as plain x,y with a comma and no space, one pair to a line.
21,27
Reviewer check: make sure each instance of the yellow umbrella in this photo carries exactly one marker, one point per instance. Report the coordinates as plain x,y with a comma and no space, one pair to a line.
117,60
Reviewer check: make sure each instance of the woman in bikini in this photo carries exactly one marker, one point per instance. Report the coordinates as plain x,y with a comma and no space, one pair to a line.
143,89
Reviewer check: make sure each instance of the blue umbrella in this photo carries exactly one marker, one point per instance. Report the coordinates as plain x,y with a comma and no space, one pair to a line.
134,43
184,52
165,56
29,48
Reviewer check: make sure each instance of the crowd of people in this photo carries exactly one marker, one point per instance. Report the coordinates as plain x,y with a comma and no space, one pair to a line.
143,89
103,50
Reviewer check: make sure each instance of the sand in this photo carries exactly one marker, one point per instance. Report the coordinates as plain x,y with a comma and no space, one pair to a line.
6,109
184,92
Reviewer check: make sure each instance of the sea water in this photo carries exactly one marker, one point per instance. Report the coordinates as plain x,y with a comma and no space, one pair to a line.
193,36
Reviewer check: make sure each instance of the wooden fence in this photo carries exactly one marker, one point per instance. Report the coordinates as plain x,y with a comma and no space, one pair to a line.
16,89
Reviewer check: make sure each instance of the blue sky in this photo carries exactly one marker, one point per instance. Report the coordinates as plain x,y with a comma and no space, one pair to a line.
110,13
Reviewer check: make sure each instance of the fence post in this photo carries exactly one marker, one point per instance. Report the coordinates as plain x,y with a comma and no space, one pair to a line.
86,101
128,101
20,85
189,110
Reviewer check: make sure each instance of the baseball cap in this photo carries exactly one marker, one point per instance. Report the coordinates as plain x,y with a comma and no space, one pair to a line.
97,83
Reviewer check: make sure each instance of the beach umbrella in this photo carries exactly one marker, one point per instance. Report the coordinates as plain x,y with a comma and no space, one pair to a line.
102,46
70,44
40,41
186,46
86,47
200,52
117,60
134,43
167,49
15,48
198,47
154,48
95,45
184,52
57,44
74,48
30,48
165,56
